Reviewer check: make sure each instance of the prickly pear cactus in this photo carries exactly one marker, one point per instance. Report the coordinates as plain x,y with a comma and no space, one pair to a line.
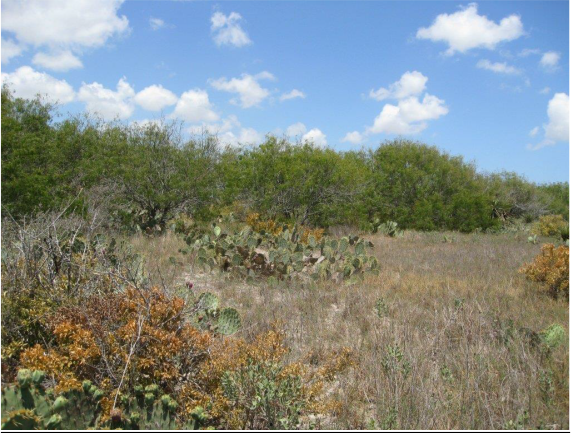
28,405
145,411
284,255
207,315
208,302
228,321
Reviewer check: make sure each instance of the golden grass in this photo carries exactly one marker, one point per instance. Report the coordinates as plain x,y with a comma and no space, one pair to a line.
456,307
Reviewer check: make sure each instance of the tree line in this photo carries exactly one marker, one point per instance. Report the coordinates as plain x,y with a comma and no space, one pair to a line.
145,175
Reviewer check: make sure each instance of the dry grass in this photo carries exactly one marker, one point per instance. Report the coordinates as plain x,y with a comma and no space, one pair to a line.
457,309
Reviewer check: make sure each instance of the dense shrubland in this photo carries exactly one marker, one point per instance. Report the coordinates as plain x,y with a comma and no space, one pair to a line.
263,308
149,174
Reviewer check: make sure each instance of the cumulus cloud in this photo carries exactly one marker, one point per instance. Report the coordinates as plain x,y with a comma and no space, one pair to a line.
244,137
58,61
227,124
558,113
411,83
292,95
409,116
226,30
26,83
354,137
550,60
316,137
296,130
155,98
63,26
109,104
230,132
250,92
466,29
500,68
557,128
10,49
194,106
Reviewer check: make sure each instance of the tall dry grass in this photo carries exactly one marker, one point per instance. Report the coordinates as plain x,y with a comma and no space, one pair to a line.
446,335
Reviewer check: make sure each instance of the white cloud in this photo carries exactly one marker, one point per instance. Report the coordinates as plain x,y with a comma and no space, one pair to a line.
292,95
545,91
557,128
558,112
144,123
296,130
194,106
316,137
230,132
411,83
466,29
249,90
10,49
226,30
63,25
26,83
156,23
529,51
108,103
409,116
550,60
228,124
58,61
155,98
534,131
500,68
354,137
246,136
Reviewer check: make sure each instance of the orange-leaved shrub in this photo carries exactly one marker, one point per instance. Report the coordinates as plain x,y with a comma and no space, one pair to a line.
551,268
146,337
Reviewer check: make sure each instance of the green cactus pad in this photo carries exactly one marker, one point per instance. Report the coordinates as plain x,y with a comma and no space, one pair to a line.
229,321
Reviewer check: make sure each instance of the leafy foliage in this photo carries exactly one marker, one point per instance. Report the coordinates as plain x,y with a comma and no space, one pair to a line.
148,174
419,187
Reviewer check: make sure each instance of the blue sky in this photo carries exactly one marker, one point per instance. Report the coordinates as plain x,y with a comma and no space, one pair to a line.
489,81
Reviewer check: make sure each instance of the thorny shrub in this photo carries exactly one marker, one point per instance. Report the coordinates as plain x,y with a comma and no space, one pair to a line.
125,340
551,268
550,225
98,319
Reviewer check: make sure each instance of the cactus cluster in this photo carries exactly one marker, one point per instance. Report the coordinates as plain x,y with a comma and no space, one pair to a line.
147,411
225,321
29,405
389,228
284,256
